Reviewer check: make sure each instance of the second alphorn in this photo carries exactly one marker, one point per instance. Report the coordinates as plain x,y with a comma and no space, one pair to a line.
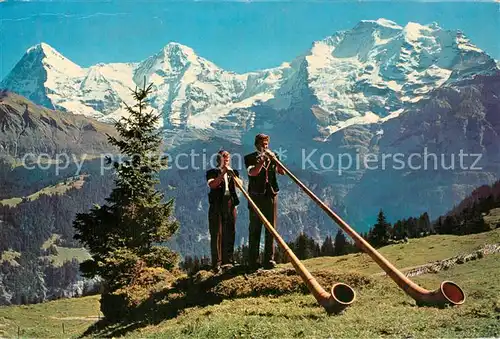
448,292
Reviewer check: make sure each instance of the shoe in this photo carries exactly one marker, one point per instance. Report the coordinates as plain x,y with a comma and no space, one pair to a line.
226,267
270,265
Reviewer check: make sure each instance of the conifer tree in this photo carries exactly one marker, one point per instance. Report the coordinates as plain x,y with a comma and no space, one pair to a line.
327,248
424,224
399,229
301,247
450,225
340,246
381,231
439,225
134,222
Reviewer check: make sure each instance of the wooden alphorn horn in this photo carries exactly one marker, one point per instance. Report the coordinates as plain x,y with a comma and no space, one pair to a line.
340,296
448,292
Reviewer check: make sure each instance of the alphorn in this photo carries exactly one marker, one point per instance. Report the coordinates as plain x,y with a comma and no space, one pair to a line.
341,295
448,292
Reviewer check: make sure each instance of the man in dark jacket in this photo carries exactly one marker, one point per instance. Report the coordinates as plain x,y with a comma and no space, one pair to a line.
263,189
222,210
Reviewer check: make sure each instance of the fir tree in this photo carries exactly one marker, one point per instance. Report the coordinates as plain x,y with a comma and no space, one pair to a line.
450,225
302,251
399,231
129,229
280,255
340,246
475,222
412,228
327,248
317,250
381,232
439,225
488,203
424,225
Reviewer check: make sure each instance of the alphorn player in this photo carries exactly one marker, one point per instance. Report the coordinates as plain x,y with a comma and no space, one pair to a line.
222,210
263,190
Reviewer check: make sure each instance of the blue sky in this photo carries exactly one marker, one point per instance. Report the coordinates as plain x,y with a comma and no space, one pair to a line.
237,36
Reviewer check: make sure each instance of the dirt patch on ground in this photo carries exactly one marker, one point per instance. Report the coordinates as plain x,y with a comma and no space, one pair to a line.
90,318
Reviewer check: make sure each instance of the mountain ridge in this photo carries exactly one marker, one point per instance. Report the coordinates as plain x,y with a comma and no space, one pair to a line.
374,71
31,129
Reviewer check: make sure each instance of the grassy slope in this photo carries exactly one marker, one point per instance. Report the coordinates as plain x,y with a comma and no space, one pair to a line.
380,309
59,189
64,253
493,217
10,257
46,320
406,256
67,254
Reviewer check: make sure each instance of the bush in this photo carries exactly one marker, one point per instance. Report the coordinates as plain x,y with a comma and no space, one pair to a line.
125,303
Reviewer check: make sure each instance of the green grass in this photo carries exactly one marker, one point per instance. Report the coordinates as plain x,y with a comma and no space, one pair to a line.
493,217
67,254
10,257
405,256
64,253
50,241
11,202
380,308
57,189
46,320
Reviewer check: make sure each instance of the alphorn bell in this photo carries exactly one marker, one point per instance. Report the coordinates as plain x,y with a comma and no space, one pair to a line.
448,292
340,296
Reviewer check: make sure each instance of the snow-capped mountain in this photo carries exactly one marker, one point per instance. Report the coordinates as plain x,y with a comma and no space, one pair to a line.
194,92
370,73
48,78
376,69
189,91
42,70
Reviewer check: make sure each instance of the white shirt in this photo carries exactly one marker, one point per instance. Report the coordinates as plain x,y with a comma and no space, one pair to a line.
226,183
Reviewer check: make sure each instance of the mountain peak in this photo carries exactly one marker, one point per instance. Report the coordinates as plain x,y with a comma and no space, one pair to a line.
173,56
177,47
46,54
176,50
40,73
43,49
414,31
371,29
382,22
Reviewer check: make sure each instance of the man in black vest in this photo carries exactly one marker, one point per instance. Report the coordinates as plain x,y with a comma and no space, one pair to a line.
263,189
222,210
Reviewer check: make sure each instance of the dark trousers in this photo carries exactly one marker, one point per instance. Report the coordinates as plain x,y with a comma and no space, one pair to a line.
268,206
222,226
